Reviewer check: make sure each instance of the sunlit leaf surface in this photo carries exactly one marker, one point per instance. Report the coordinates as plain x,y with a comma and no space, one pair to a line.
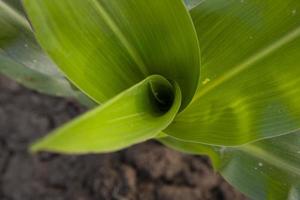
131,117
250,85
106,46
247,102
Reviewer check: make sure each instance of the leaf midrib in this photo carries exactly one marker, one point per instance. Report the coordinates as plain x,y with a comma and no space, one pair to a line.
115,29
249,62
271,159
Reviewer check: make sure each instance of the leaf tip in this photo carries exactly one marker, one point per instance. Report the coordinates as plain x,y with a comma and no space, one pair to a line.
37,147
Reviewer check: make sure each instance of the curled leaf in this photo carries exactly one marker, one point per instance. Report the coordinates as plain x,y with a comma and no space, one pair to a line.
135,115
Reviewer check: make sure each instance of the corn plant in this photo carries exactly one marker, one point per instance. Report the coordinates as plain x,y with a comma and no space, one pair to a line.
214,77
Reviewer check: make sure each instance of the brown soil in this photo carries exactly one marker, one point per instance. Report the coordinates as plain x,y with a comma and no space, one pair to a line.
147,171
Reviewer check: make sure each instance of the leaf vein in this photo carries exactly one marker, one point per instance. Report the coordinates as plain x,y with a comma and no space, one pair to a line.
270,159
249,62
114,27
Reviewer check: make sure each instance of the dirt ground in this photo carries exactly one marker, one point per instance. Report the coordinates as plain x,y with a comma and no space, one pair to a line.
147,171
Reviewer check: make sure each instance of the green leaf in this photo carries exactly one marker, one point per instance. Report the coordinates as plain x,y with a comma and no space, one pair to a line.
106,46
16,4
269,169
264,170
190,4
23,60
33,79
192,148
135,115
250,86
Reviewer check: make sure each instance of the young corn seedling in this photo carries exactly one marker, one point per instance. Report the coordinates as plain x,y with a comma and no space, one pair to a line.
237,100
